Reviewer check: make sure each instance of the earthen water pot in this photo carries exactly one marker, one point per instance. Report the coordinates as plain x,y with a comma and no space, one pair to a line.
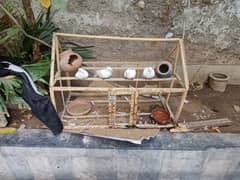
164,69
218,81
160,115
70,61
79,106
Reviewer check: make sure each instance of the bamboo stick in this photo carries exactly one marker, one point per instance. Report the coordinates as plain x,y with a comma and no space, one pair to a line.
118,38
174,71
117,79
183,62
58,66
124,90
52,96
151,126
180,107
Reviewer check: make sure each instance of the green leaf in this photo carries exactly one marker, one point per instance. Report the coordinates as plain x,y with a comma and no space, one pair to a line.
19,101
3,107
38,70
12,32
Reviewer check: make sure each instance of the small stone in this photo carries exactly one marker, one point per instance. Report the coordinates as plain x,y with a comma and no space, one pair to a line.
236,108
186,101
21,127
3,121
169,35
141,4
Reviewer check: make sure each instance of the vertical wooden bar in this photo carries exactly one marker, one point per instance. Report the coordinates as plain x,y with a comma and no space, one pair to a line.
180,107
58,67
174,71
131,118
114,108
135,115
51,82
110,108
183,62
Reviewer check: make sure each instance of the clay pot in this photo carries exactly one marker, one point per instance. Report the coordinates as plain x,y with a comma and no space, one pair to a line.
160,115
78,107
218,81
70,61
164,69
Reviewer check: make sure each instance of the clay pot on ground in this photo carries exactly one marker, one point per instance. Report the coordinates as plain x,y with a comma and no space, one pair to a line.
78,107
160,116
70,61
218,81
164,69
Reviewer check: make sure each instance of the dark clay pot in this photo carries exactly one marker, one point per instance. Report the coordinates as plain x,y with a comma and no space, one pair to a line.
160,115
164,69
70,61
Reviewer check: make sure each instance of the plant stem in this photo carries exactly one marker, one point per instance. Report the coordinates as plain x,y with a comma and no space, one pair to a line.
21,29
31,20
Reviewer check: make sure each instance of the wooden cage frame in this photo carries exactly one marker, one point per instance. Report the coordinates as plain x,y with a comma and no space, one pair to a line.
56,76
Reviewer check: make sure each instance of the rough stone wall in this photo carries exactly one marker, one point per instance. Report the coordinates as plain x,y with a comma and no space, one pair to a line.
211,28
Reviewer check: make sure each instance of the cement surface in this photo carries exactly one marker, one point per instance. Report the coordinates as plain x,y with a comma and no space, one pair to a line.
37,154
164,141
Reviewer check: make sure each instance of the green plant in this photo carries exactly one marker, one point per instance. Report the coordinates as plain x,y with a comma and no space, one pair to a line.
25,40
42,28
11,86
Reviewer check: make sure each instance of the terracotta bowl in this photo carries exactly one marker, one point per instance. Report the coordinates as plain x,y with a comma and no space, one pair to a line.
70,61
78,107
160,115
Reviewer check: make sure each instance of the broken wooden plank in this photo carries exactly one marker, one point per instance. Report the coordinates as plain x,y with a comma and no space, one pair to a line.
206,123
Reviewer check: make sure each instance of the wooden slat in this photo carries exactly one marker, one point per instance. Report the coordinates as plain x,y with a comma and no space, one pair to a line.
117,79
206,123
124,90
118,38
183,62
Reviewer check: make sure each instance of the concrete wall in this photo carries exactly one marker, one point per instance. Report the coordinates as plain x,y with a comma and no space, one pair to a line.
211,28
108,164
37,154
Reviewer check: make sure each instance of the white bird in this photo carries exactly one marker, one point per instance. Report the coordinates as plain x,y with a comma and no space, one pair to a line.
148,72
81,73
130,73
104,73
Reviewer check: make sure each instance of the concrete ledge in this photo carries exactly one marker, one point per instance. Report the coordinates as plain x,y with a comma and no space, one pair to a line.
36,154
164,141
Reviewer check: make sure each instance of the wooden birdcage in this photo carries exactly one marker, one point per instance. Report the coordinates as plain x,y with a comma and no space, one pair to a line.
118,102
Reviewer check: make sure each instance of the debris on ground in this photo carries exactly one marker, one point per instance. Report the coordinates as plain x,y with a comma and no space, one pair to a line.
3,120
236,108
212,124
196,86
206,123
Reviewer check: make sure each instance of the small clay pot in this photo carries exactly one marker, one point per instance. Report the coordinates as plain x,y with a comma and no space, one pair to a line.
70,61
164,69
78,107
160,115
218,81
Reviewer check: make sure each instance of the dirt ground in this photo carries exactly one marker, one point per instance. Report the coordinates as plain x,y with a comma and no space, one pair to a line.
203,104
208,104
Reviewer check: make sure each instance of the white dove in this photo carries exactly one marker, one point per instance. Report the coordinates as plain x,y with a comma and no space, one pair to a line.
148,73
130,73
81,73
104,73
